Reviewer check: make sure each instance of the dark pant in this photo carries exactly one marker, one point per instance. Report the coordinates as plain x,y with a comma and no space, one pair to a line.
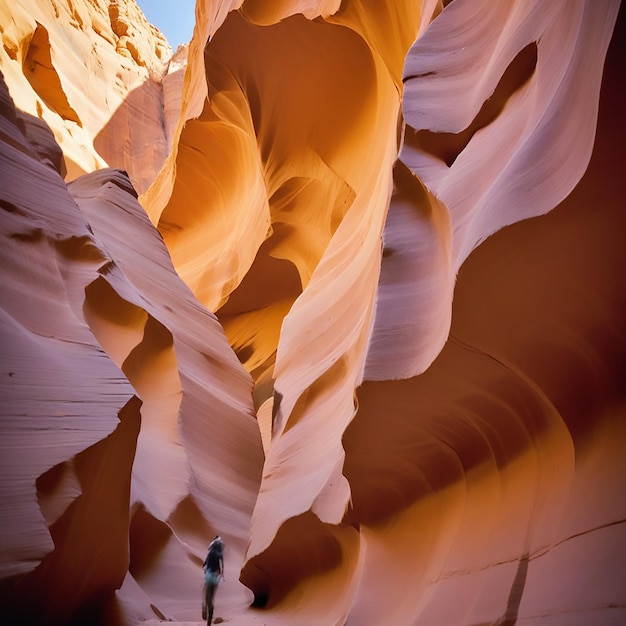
211,581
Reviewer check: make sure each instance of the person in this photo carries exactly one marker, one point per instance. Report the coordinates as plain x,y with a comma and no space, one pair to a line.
213,567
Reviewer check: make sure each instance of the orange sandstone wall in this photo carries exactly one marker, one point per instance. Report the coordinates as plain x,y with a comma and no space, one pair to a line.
95,73
357,305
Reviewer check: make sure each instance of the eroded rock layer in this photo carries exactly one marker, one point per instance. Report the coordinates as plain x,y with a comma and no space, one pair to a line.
97,73
356,304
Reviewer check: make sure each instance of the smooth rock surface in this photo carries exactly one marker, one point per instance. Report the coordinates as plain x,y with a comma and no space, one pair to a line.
340,281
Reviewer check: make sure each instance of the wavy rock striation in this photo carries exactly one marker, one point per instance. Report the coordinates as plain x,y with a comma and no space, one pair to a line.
355,304
94,72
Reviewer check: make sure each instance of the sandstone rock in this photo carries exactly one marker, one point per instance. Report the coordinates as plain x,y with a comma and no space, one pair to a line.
92,71
314,316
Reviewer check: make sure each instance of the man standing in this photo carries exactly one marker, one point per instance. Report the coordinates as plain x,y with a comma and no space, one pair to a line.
213,571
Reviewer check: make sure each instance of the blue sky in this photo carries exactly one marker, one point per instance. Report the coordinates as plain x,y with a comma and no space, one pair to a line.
174,18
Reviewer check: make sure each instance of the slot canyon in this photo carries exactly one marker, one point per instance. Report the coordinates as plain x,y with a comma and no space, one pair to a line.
341,281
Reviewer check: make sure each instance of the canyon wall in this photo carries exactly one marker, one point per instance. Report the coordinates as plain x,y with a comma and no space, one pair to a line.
340,281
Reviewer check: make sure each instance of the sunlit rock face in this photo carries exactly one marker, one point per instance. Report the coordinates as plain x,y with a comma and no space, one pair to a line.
340,281
94,72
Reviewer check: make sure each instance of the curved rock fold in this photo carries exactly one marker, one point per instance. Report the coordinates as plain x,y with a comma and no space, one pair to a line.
340,281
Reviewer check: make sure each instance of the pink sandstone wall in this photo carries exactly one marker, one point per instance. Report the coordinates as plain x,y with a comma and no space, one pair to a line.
341,281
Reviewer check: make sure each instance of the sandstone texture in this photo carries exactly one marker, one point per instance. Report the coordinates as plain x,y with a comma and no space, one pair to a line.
341,281
93,71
